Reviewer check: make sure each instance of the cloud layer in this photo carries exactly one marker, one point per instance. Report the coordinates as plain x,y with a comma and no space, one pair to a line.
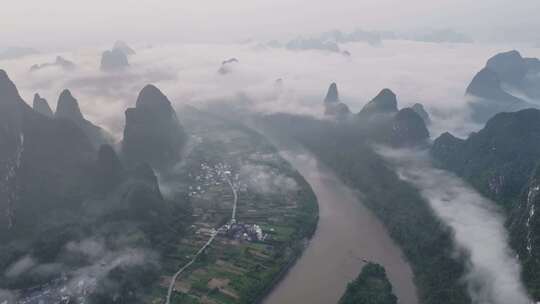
493,274
77,282
433,74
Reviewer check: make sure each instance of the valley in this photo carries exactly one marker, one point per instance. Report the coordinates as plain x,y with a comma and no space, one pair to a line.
257,152
349,234
252,216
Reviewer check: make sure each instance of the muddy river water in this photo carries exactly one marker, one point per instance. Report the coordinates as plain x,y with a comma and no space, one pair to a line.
347,234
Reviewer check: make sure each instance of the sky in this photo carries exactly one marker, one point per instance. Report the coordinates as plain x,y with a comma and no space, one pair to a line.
68,23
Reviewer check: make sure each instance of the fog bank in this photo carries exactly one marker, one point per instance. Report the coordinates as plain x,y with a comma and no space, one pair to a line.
431,73
493,274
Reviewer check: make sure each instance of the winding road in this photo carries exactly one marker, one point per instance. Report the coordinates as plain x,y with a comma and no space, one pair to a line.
235,194
347,235
179,272
206,245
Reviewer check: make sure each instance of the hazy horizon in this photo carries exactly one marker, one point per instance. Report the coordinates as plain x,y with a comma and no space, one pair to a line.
188,74
60,23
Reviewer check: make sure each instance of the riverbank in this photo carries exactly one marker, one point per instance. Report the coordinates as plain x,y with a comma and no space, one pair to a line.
347,234
274,211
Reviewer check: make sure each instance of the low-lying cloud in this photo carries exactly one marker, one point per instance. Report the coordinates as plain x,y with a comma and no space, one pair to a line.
434,74
7,297
493,274
22,265
264,179
70,279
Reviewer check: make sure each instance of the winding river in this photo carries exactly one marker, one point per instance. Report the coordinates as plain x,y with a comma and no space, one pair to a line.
346,234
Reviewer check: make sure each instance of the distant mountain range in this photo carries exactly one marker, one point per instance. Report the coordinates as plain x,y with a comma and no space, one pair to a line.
330,41
60,62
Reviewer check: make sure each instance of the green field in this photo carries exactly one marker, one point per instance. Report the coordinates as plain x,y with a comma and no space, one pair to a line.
271,194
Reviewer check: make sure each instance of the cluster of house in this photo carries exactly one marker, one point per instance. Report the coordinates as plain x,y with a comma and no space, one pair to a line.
209,176
243,232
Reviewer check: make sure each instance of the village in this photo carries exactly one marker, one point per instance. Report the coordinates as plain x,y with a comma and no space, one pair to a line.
241,238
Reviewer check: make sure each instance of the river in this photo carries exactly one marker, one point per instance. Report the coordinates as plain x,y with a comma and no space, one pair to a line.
347,232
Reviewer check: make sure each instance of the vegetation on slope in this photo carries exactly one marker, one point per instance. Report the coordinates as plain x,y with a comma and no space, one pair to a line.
425,240
371,287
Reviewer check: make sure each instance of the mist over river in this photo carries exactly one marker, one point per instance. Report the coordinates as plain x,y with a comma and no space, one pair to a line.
347,233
